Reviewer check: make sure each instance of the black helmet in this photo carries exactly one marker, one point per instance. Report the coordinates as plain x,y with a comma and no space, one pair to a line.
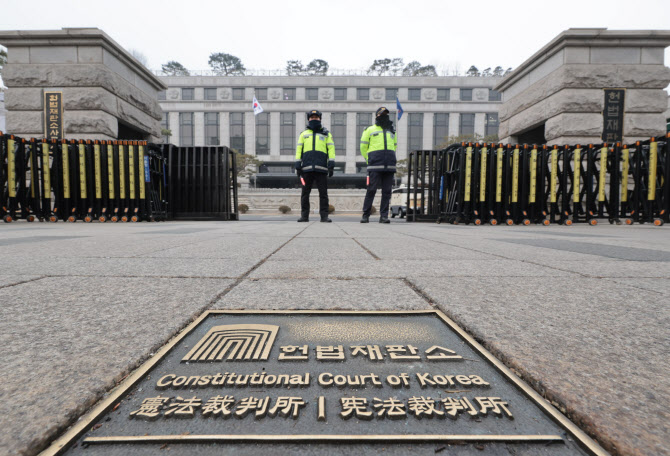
314,112
381,111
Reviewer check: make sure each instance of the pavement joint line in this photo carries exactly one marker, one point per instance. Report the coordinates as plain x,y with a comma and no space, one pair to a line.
361,245
142,255
253,268
142,276
22,282
533,383
500,256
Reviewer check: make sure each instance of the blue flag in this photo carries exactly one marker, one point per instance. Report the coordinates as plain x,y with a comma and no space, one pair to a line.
400,110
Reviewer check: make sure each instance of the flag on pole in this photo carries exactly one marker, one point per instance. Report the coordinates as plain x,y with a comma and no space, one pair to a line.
257,107
399,108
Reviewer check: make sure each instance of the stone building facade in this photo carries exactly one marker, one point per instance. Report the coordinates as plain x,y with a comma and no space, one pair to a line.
556,96
107,93
217,110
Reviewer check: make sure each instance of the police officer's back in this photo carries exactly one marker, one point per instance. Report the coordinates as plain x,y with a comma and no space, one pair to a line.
314,160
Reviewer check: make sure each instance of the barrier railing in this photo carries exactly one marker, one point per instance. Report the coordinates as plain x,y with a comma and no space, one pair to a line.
523,184
202,182
80,180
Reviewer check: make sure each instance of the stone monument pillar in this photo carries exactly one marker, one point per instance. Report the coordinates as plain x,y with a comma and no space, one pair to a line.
557,96
107,93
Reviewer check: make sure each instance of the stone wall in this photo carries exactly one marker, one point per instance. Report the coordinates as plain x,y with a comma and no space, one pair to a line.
103,85
269,200
3,112
561,86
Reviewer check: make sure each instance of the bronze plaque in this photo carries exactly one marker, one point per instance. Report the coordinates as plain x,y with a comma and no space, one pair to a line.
319,378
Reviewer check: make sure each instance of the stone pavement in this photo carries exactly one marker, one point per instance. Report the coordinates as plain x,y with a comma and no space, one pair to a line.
581,313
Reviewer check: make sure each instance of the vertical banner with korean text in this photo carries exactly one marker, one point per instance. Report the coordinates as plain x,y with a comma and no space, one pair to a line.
613,115
53,114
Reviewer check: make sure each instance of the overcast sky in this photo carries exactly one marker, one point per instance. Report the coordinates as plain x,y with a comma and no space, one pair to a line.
349,34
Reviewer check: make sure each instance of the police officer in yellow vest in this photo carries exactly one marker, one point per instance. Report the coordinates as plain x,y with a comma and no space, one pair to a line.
314,159
378,146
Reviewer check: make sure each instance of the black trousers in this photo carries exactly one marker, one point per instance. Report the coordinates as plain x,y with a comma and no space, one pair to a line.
377,179
321,181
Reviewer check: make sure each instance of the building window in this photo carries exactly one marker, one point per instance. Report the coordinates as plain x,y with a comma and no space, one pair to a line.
162,96
186,129
391,94
467,126
338,127
261,94
211,129
442,94
415,131
362,94
414,95
340,94
312,93
188,94
440,128
237,131
491,123
238,93
210,93
363,121
494,95
289,94
466,94
287,133
165,125
263,133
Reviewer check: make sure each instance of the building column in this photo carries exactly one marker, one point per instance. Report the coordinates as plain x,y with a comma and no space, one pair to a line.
250,133
275,130
351,144
480,128
454,122
428,130
402,131
173,125
198,129
224,130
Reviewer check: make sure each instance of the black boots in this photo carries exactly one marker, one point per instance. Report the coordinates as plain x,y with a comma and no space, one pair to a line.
384,220
365,219
303,219
326,220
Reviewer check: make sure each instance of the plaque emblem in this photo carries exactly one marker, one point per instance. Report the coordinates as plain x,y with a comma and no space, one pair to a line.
239,342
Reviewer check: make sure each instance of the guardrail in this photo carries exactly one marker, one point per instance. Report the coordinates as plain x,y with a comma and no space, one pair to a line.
539,184
50,180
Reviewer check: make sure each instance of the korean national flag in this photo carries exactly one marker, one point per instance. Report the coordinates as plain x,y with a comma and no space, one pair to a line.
257,107
398,107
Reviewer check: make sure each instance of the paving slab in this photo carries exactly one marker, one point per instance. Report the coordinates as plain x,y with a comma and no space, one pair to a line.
64,342
400,268
600,350
131,267
661,286
233,246
8,280
337,248
324,294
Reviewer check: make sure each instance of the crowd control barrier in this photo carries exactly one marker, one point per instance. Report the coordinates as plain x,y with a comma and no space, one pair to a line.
70,180
202,183
539,184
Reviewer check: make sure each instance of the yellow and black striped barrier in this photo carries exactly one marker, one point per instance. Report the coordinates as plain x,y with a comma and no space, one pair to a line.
81,180
537,184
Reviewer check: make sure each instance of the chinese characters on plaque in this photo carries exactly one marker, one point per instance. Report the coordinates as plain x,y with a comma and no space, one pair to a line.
613,115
